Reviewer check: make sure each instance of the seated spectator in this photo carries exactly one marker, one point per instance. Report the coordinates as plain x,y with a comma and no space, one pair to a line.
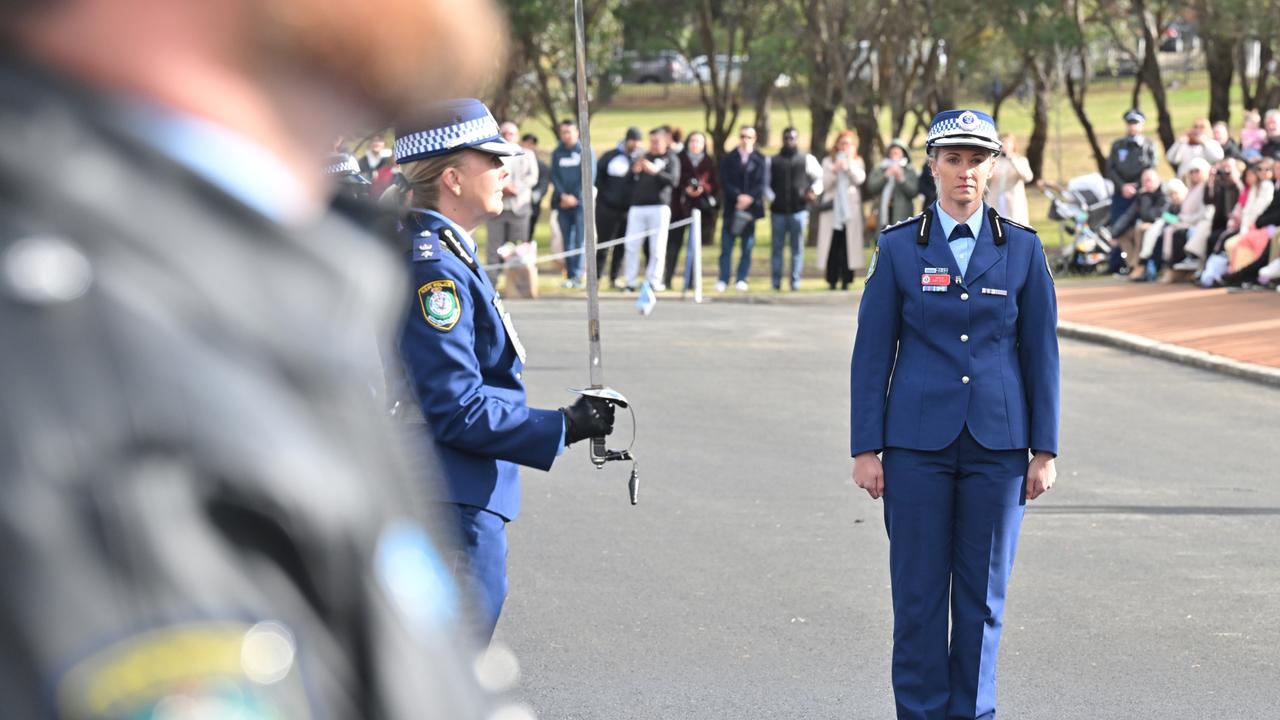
1235,256
1222,135
1195,143
1252,137
1223,192
1175,192
1271,123
1194,216
1127,230
1186,255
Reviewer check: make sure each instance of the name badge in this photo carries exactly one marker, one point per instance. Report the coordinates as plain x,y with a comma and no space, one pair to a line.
510,327
994,291
935,282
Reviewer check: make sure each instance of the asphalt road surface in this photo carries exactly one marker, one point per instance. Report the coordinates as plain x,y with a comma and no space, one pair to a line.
751,581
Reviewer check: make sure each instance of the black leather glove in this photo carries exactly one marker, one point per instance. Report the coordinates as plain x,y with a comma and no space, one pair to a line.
587,417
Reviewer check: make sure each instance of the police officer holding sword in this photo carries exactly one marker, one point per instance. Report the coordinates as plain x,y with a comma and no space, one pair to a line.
462,357
954,382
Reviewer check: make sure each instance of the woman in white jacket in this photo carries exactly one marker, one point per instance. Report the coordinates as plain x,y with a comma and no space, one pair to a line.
1006,191
840,223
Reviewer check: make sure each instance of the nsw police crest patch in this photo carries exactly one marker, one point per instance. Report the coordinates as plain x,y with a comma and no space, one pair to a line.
440,305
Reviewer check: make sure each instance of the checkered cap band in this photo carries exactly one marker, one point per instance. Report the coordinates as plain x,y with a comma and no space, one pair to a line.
965,125
441,140
342,165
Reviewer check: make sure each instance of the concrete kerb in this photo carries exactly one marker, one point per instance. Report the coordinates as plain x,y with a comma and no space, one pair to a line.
1174,353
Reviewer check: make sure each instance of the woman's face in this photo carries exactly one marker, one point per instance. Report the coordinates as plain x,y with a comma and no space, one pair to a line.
895,153
962,173
845,146
696,144
477,183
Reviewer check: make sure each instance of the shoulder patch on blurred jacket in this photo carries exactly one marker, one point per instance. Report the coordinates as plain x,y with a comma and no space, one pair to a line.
213,669
871,268
441,307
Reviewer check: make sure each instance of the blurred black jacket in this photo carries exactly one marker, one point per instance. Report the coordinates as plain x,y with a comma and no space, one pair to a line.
197,488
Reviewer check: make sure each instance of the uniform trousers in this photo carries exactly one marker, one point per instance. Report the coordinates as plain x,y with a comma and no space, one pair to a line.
655,222
953,517
479,563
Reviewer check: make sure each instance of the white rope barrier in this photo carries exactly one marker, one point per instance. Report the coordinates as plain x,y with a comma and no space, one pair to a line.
522,262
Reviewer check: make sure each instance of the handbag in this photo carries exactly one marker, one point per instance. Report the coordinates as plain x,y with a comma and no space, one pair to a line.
873,221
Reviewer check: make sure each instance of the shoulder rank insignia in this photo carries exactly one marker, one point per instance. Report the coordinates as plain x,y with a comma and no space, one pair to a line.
426,246
1007,221
902,223
441,307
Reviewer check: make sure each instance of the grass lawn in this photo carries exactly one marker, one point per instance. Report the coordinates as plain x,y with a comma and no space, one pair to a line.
1067,154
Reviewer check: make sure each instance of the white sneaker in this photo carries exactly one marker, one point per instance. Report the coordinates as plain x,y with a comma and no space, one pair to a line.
1189,264
742,286
721,287
659,287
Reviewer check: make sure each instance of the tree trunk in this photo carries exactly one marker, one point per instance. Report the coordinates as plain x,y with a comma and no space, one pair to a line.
821,118
1151,75
1040,117
762,122
1006,91
1221,65
1075,93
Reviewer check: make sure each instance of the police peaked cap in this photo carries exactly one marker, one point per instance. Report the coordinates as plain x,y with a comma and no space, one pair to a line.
963,128
452,126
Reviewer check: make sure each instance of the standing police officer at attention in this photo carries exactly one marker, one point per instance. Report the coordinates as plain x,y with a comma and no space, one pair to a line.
462,357
959,310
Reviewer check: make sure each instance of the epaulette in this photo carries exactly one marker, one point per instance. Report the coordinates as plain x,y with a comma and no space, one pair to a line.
998,222
426,246
902,223
1007,221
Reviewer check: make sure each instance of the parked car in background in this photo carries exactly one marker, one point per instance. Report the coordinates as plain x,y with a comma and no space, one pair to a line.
725,68
662,66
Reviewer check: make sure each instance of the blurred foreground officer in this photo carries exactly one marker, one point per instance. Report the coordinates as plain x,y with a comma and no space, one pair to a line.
202,513
959,309
462,357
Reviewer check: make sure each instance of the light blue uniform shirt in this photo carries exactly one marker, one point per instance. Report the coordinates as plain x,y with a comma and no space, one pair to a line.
961,248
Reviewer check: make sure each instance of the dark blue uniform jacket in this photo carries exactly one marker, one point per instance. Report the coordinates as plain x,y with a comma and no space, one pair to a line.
463,361
982,353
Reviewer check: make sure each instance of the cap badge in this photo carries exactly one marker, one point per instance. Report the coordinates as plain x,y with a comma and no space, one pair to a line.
967,120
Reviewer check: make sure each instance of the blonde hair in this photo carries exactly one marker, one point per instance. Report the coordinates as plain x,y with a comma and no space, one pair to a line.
423,177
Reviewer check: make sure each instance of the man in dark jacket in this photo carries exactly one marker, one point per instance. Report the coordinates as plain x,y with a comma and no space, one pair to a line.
795,181
566,179
201,504
1148,205
614,181
744,177
649,217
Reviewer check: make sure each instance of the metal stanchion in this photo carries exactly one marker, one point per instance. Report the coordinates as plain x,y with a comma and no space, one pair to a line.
693,262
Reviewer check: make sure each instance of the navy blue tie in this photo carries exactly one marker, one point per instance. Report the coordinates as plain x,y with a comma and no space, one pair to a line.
960,231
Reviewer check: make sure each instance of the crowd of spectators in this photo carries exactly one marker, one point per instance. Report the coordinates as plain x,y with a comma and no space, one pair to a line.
644,190
1214,221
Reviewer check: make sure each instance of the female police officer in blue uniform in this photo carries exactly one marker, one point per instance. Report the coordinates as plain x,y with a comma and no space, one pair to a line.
954,379
462,357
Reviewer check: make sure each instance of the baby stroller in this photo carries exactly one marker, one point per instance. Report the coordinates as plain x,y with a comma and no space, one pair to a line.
1081,208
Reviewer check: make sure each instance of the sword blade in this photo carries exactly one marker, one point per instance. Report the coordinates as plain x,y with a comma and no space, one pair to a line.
595,357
